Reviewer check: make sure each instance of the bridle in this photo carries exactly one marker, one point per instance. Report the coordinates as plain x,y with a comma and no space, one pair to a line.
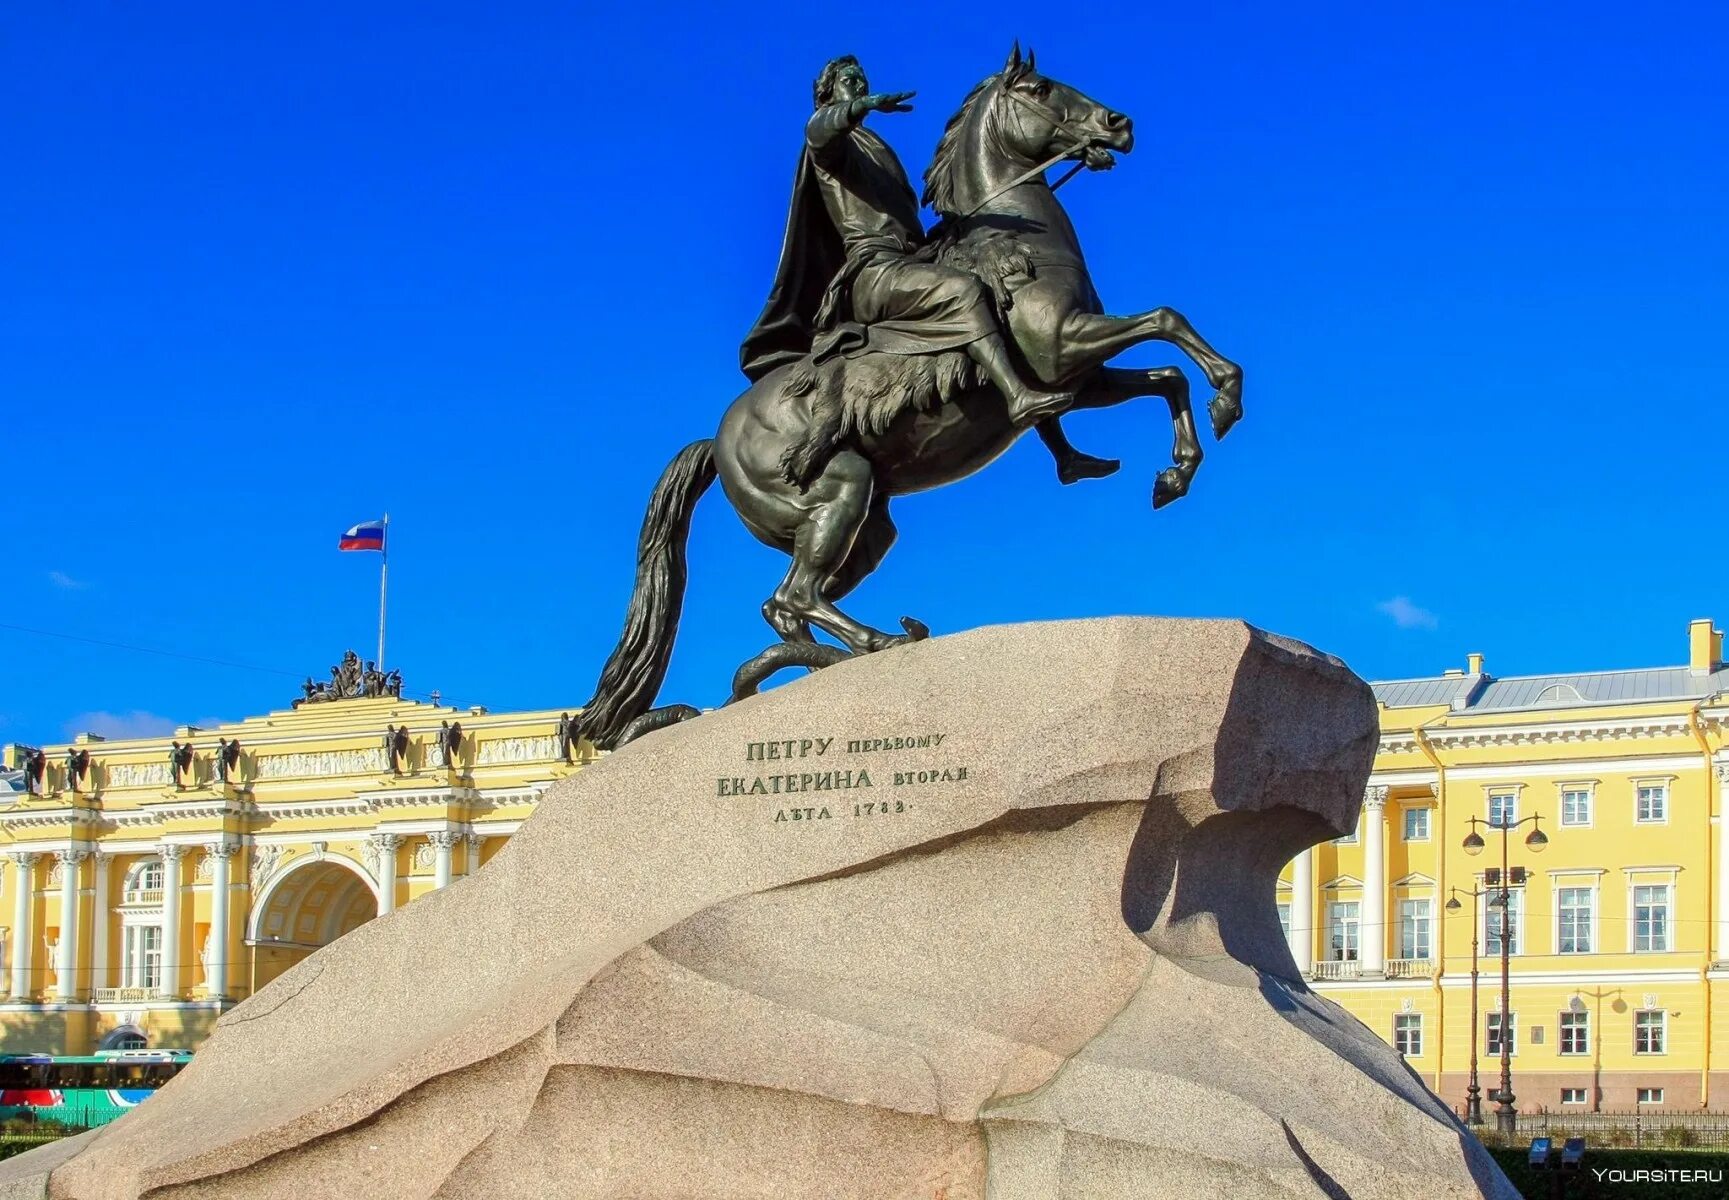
1082,140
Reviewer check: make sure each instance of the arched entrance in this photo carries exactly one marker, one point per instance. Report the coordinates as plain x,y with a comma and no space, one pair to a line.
313,902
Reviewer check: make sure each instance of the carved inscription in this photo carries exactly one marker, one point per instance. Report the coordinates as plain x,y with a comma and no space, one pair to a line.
819,770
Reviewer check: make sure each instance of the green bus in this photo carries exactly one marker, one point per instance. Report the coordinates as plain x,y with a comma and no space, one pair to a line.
83,1091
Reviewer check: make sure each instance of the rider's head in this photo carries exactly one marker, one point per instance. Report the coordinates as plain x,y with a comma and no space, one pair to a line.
842,79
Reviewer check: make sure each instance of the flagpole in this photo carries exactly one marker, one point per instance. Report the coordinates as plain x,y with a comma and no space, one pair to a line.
383,577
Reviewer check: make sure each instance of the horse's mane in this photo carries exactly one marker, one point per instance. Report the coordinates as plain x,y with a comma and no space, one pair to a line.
940,175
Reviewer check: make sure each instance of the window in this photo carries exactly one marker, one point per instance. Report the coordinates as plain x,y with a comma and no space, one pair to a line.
1572,1095
1650,1031
1650,1095
1408,1034
1342,922
1503,809
1652,806
1493,915
141,961
1575,1033
1414,922
1285,919
142,878
1575,806
1574,912
1496,1020
1416,824
1651,918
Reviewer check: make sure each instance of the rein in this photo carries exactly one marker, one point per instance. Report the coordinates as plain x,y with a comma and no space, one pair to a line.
1082,141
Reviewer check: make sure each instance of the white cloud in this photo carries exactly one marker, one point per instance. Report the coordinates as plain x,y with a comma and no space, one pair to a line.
1407,615
135,724
65,582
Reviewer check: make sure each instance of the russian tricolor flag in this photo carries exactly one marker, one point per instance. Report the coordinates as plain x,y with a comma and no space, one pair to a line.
368,535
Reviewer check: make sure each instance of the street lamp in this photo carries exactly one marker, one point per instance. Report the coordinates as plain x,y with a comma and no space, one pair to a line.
1506,1116
1473,1092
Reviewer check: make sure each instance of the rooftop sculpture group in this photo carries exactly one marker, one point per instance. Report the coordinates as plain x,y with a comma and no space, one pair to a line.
351,679
891,360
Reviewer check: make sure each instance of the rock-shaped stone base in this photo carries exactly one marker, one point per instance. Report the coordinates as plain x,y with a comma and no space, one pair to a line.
985,916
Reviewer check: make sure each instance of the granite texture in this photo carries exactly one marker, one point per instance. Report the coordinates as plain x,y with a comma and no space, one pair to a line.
1043,962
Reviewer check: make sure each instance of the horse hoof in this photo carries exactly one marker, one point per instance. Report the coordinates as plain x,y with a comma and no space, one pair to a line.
916,629
1169,486
1226,411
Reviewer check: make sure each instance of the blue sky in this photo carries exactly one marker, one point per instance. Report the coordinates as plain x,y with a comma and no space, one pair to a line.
270,270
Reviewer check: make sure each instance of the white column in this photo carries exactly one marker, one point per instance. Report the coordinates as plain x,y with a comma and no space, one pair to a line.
23,868
99,865
1374,930
385,845
1303,910
216,974
1723,862
66,954
443,842
171,856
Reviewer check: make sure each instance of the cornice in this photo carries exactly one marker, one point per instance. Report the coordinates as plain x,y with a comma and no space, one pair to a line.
1619,729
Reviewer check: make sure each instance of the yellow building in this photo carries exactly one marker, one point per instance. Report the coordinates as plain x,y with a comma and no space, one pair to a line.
1618,926
148,887
150,884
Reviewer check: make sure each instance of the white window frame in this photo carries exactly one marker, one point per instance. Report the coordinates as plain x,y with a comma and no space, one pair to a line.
1285,918
1353,938
1584,787
1511,1021
1511,798
1486,914
1424,921
1662,1027
1668,946
1590,925
144,881
141,963
1413,1028
1649,1095
1568,1094
1426,812
1662,785
1582,1021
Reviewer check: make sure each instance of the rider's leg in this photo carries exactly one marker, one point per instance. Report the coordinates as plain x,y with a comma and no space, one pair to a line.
1027,404
1072,465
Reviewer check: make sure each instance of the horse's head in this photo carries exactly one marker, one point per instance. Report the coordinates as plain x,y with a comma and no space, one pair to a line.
1038,118
1012,122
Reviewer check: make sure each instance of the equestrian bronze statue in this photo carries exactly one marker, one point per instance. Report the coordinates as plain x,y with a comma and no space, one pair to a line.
889,360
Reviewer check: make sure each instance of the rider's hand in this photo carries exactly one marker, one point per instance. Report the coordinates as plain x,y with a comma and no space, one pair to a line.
888,102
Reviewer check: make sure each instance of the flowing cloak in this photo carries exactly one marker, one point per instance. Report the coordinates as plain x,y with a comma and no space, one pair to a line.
908,306
811,256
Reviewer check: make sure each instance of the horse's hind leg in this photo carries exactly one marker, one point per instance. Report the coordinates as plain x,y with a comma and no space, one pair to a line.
840,502
875,537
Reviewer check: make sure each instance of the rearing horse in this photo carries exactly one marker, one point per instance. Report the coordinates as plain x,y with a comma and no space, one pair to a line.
1001,217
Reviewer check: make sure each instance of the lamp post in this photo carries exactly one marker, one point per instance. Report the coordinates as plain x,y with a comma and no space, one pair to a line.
1473,1092
1506,1116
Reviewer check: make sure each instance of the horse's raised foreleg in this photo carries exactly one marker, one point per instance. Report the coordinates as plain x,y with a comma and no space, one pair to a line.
840,503
1115,385
1082,340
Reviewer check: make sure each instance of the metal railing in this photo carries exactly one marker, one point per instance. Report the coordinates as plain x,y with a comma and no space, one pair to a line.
1637,1130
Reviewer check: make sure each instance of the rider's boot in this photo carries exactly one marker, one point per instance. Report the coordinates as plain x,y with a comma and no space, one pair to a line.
1028,405
1072,465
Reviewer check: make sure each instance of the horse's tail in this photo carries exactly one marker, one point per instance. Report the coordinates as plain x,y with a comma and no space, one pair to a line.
637,666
